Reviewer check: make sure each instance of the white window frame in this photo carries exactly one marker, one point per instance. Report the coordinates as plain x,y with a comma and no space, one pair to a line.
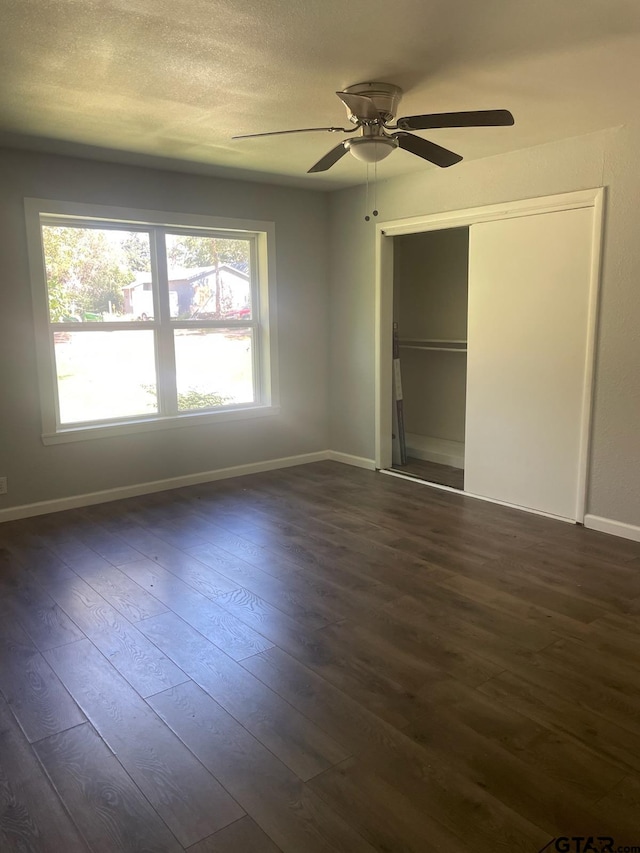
263,292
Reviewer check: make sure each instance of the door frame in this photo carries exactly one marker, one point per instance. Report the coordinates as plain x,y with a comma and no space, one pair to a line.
386,231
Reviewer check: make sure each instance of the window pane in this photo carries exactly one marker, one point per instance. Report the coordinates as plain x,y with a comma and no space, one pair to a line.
214,367
105,375
210,277
97,274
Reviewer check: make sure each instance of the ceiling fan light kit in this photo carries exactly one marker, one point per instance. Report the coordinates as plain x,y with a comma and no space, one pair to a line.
371,149
372,107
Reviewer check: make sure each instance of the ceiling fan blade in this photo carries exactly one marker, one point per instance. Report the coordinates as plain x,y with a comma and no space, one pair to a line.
472,118
359,105
329,158
300,130
427,150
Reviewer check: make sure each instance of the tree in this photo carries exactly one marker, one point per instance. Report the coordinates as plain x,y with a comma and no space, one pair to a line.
195,251
136,252
84,272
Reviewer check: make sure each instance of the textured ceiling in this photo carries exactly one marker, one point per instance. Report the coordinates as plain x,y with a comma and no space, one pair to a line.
177,78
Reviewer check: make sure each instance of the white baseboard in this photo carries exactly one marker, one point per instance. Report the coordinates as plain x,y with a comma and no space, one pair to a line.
75,501
439,450
348,459
615,528
594,522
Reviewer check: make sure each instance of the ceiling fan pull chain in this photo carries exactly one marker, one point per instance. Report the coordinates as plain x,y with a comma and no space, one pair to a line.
375,188
366,202
374,212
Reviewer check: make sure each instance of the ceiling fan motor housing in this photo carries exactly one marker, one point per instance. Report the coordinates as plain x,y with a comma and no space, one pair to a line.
385,97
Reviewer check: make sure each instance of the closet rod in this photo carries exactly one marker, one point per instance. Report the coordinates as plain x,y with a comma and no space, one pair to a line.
433,341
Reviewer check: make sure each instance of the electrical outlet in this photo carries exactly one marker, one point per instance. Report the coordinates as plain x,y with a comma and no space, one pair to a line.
3,486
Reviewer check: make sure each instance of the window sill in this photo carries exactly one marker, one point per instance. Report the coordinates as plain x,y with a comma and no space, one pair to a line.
87,433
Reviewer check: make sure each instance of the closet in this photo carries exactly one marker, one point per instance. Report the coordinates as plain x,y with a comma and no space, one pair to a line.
430,295
495,316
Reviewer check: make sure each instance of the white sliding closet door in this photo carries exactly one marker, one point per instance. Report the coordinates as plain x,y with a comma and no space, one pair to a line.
529,285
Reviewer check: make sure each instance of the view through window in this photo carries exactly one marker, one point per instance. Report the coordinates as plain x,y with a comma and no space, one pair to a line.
149,321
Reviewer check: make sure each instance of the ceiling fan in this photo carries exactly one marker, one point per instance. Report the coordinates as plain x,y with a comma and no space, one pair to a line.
371,108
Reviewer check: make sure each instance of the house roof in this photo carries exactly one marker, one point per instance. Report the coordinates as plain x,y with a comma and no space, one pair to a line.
192,274
170,84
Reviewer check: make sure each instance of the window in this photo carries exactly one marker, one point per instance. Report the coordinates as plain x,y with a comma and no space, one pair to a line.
147,321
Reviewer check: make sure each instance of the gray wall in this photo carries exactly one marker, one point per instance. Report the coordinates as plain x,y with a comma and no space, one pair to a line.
308,338
608,158
431,294
39,473
431,276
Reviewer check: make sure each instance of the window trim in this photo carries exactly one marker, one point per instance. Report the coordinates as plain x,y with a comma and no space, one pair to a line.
265,341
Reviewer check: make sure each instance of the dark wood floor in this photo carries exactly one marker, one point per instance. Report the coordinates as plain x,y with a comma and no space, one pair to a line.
316,659
432,472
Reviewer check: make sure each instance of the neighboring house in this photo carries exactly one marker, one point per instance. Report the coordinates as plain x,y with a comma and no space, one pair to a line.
199,292
223,293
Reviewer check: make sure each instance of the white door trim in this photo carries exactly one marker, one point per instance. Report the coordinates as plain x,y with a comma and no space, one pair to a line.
385,231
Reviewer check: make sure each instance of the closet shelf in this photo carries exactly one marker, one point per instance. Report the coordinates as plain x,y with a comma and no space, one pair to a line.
439,345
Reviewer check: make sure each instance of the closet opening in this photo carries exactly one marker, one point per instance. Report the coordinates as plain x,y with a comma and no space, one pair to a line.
495,312
430,299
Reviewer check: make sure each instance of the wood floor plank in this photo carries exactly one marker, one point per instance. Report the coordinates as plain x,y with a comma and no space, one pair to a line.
259,615
232,583
616,673
292,522
243,836
110,810
463,630
526,789
411,786
346,581
291,815
294,739
106,544
144,667
510,575
168,522
45,622
129,599
352,669
333,597
558,754
348,721
305,607
381,813
611,698
618,745
411,537
32,818
309,553
621,808
410,655
599,588
40,703
189,800
236,638
527,612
